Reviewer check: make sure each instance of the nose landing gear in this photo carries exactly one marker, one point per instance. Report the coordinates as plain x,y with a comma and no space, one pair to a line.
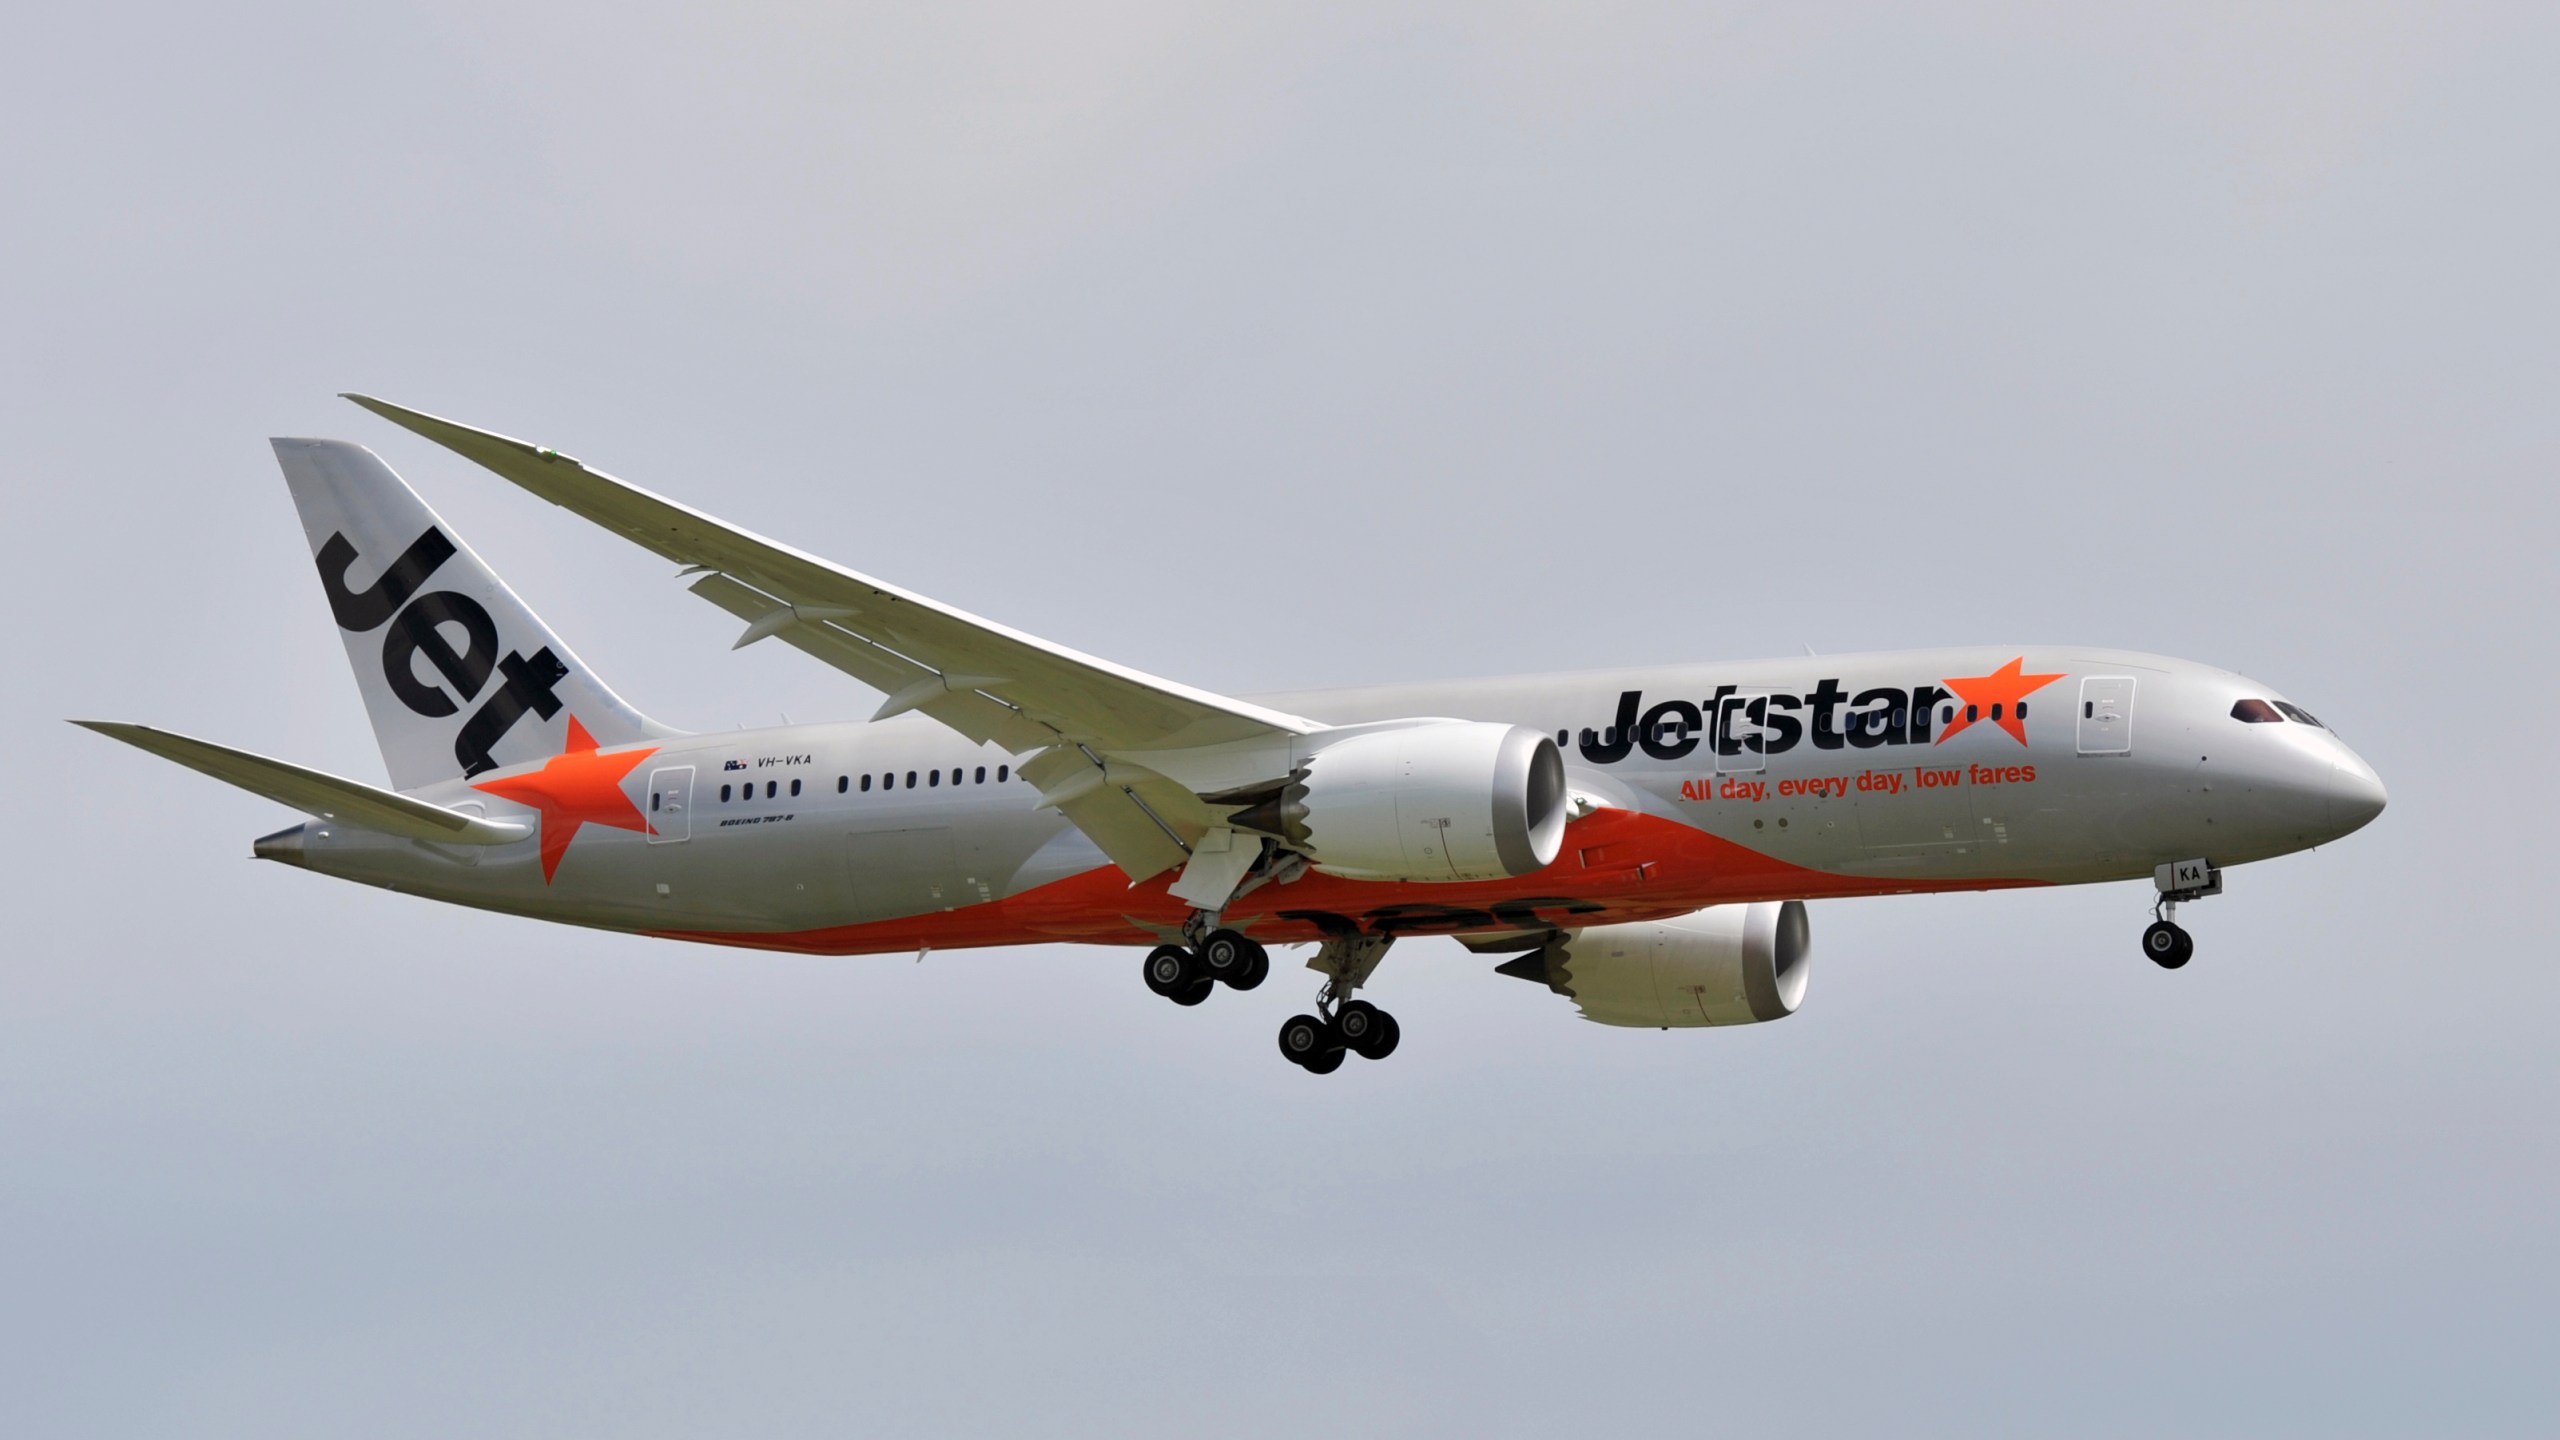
2165,940
2168,944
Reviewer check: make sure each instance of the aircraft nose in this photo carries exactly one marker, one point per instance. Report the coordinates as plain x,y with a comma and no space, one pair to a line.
284,845
2356,795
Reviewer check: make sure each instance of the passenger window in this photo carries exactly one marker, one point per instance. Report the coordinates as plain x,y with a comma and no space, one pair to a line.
1001,772
2296,712
911,779
933,777
2088,709
1563,738
866,781
982,776
843,783
1995,711
1972,713
724,794
653,799
770,789
2022,709
795,787
1947,716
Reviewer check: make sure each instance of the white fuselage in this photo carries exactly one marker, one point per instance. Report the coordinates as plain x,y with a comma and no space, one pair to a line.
1700,784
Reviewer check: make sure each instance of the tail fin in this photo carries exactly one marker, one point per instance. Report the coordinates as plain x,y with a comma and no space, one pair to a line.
458,678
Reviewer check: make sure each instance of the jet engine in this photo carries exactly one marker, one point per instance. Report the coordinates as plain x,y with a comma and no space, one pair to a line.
1456,800
1726,965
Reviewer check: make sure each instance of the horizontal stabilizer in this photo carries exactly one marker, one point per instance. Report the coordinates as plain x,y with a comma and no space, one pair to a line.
314,792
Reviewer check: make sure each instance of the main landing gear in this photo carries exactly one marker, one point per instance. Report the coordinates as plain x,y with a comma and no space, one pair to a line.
2165,940
1317,1044
1341,1025
1185,974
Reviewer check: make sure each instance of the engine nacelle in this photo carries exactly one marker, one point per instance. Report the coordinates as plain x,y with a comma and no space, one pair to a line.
1457,800
1726,965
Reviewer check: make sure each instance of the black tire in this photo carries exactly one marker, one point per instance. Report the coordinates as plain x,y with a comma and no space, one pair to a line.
1382,1040
1222,954
1324,1064
2168,945
1305,1039
1228,955
1193,993
1255,974
1170,969
1369,1032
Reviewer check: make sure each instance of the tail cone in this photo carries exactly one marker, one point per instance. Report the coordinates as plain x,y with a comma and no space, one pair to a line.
284,845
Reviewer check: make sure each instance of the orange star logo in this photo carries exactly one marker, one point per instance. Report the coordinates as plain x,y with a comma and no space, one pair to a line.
576,787
1996,695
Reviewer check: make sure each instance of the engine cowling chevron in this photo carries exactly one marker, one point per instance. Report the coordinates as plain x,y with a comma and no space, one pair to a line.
1727,965
1457,800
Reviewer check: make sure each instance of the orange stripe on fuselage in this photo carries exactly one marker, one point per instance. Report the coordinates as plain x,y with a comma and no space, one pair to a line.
1617,866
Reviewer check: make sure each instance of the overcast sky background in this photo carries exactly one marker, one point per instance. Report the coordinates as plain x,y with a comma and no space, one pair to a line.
1269,347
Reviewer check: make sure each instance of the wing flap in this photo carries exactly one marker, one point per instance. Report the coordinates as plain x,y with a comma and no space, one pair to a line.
315,792
1128,814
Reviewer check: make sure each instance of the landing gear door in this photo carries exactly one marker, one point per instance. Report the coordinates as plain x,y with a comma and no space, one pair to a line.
670,804
2106,715
1736,730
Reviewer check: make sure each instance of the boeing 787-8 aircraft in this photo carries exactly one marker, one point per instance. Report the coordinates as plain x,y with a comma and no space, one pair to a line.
1642,842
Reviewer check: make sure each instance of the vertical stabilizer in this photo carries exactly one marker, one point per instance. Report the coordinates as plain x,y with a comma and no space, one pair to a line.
458,676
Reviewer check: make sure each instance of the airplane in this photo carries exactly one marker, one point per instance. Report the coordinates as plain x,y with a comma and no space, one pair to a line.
1642,842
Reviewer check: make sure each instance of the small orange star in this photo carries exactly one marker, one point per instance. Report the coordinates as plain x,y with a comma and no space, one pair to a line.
1997,693
575,787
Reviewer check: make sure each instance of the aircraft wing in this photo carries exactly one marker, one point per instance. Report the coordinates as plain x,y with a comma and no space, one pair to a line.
316,792
985,680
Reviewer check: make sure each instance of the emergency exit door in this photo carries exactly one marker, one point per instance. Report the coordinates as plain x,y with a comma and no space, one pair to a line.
670,804
2106,715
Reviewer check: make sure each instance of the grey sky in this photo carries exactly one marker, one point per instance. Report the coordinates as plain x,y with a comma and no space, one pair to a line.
1271,347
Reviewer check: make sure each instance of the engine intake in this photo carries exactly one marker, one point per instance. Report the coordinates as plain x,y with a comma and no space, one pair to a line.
1726,965
1455,800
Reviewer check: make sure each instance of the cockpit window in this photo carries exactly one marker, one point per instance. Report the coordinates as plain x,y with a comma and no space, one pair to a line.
2256,712
2296,712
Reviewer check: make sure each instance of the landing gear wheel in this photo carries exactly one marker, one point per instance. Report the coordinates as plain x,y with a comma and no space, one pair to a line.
1193,993
1382,1043
1231,956
2168,945
1312,1044
1365,1028
1170,971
